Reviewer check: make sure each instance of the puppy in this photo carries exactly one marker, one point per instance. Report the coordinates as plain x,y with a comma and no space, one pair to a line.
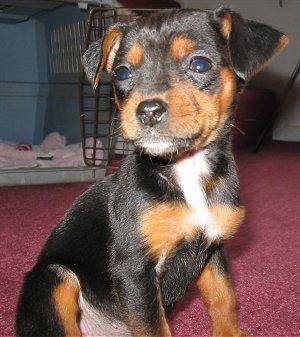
130,246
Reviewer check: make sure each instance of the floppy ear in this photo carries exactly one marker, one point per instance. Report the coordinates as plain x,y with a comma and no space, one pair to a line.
251,44
100,54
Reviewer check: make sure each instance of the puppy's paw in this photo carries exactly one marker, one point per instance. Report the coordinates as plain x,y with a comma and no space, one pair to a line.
243,333
235,333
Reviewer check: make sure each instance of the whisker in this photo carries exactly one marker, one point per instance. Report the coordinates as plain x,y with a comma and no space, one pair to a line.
237,128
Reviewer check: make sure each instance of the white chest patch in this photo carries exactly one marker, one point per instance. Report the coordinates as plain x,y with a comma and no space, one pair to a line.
190,175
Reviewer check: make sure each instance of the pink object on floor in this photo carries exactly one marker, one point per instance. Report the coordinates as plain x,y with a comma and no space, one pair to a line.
53,150
24,146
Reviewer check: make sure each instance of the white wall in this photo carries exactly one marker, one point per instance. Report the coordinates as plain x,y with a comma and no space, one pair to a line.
277,73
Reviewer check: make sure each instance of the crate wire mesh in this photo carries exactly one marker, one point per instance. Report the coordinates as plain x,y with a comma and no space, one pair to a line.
103,145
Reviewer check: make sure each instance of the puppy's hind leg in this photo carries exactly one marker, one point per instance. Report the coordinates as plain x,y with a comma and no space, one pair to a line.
217,290
48,305
140,299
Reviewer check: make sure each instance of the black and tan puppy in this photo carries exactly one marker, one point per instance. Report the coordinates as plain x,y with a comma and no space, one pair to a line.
130,246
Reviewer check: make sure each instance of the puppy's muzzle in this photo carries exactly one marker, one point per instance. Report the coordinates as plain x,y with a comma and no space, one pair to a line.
151,112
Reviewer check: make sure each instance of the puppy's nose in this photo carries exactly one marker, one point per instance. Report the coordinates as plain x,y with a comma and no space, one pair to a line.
150,112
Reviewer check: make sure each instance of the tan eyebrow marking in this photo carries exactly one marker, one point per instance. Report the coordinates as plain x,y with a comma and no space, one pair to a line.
181,47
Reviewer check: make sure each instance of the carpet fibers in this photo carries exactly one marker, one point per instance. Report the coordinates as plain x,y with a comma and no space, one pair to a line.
264,253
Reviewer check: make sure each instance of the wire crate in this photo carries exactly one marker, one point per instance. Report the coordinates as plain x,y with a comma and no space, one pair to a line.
103,145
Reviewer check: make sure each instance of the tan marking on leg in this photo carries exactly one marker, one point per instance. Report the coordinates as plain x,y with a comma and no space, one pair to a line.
135,55
218,293
164,326
164,225
227,219
181,47
65,297
165,330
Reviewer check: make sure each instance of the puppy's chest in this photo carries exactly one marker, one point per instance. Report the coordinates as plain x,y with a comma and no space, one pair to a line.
191,176
166,224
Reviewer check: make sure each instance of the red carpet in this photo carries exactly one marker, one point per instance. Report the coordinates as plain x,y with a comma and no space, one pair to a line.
264,253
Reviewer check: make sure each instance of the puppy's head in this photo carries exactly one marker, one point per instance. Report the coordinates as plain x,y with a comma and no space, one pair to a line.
176,74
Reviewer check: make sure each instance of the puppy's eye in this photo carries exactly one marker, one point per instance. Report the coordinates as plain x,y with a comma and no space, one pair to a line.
122,73
200,64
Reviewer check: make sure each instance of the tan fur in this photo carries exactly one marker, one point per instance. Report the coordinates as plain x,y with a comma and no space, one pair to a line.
110,46
218,293
181,47
227,219
164,225
203,113
135,55
65,298
226,25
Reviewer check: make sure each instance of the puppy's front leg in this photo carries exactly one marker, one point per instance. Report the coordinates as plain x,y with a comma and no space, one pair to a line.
140,300
217,290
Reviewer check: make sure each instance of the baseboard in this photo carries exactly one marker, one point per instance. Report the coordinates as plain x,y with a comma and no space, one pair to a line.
37,176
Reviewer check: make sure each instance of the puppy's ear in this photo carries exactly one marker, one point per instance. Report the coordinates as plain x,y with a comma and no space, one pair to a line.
251,44
100,54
